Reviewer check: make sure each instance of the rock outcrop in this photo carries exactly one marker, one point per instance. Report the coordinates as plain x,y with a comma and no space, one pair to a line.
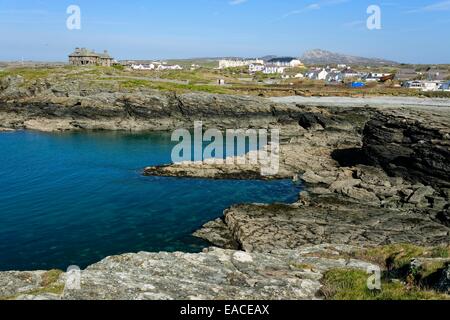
213,274
329,219
412,144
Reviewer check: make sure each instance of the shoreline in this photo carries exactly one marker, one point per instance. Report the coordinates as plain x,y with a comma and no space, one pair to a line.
353,197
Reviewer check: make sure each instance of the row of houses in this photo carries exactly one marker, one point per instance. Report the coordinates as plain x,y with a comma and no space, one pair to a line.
425,86
274,66
332,74
336,75
158,66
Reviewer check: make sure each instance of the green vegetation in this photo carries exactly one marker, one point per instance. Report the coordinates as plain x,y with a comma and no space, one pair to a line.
398,256
350,284
118,67
401,280
29,74
169,86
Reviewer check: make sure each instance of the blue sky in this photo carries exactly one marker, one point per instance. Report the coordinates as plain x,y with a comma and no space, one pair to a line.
413,31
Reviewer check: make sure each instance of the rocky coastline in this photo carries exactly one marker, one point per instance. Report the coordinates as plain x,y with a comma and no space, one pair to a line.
374,177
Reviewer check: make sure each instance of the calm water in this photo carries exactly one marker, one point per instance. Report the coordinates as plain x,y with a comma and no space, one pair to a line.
75,198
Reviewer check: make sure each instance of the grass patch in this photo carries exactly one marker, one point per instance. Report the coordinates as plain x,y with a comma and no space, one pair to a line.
50,277
48,285
390,257
30,74
169,86
398,256
350,284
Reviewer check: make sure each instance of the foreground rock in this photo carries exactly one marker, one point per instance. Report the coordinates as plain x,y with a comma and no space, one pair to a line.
213,274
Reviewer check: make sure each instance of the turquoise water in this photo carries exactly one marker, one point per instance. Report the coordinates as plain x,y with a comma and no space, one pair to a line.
75,198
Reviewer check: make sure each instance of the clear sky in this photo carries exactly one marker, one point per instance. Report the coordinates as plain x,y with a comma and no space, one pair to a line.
413,31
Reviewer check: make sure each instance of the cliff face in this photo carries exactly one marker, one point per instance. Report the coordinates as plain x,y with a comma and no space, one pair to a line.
411,144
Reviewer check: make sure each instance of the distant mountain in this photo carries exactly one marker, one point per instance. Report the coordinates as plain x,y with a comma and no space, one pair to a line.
319,56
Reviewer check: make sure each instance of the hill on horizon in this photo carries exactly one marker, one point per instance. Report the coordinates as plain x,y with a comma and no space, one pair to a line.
319,56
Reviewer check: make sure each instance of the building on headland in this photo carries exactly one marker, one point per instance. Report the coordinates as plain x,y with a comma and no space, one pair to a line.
86,57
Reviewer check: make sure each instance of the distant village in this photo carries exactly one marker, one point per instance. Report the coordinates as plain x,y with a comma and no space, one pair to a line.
284,68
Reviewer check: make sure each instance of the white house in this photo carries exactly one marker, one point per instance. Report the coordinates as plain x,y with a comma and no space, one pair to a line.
334,76
295,63
431,85
413,84
317,74
350,73
143,67
169,67
424,85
